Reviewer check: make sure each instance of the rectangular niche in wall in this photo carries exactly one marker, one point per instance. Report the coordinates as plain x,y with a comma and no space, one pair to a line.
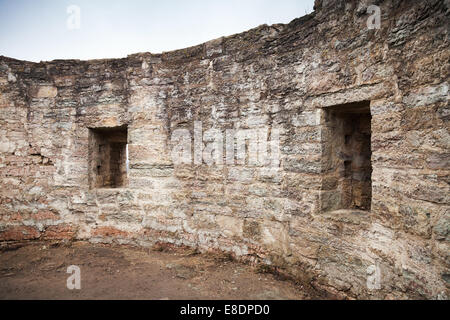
108,157
347,181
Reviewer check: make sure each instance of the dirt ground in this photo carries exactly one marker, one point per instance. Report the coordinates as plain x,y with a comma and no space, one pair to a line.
39,271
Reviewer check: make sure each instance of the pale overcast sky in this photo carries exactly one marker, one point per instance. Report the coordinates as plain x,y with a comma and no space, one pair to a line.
36,30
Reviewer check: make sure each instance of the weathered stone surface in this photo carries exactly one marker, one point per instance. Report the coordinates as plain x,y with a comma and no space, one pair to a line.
43,92
289,77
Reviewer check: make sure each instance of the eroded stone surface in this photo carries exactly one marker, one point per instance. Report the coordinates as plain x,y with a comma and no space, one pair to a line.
272,76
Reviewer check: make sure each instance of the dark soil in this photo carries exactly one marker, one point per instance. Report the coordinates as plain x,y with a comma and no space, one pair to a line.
39,271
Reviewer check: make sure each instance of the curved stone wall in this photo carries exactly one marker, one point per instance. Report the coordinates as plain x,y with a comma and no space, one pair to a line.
279,84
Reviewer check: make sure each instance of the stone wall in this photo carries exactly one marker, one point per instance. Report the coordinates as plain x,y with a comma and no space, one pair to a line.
280,76
346,157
